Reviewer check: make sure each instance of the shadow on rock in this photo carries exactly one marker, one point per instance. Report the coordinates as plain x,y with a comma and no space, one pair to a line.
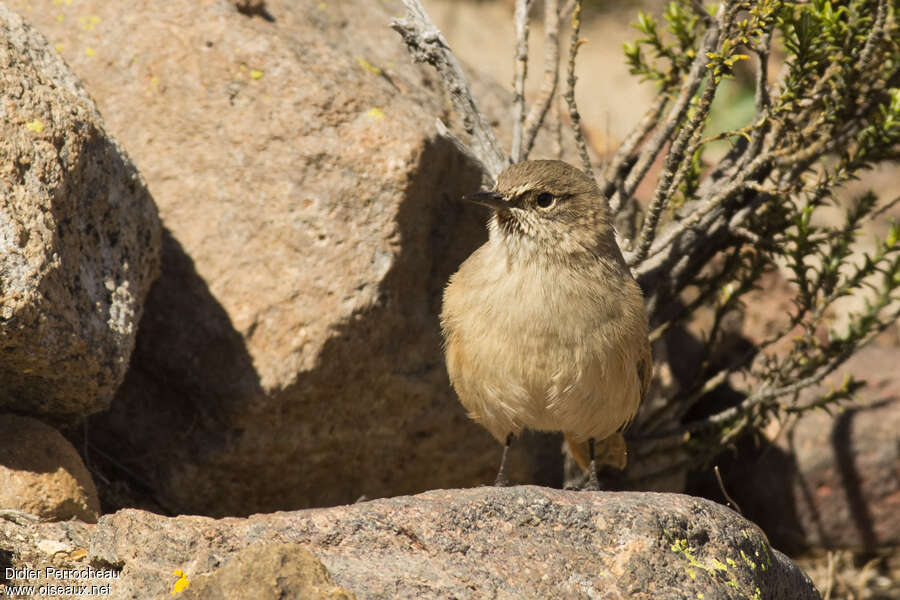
193,428
189,369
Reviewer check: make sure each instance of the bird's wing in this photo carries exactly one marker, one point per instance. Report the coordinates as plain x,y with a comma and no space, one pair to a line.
645,372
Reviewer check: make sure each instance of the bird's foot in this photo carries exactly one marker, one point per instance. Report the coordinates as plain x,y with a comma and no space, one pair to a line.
501,480
592,484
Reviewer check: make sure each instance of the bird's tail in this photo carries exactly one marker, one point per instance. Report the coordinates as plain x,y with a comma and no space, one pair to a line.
611,451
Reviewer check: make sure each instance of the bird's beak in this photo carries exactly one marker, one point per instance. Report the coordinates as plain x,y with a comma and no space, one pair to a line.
491,199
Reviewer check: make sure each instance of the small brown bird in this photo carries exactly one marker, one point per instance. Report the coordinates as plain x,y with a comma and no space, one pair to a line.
544,326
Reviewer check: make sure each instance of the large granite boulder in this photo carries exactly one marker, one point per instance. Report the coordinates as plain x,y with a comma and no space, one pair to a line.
521,542
290,354
79,238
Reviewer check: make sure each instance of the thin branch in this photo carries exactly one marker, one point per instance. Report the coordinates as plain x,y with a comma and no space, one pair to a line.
557,128
574,115
814,105
764,394
626,223
700,11
736,222
689,88
875,35
751,237
763,103
675,411
677,163
695,219
625,154
444,132
724,492
425,43
523,7
551,76
830,579
763,98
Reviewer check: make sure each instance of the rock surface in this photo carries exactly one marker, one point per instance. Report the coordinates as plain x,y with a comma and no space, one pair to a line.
290,354
79,238
268,571
42,474
522,542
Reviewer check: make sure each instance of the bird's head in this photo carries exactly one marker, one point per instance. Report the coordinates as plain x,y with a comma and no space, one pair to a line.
548,209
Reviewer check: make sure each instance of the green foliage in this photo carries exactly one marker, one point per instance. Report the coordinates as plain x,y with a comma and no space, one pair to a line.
678,54
834,112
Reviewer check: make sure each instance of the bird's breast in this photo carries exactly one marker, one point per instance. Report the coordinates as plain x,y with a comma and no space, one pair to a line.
530,303
527,342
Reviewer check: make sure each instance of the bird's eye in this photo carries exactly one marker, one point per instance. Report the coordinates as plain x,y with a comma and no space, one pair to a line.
545,200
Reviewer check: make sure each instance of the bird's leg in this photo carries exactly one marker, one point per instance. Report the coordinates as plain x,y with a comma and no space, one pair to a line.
501,480
593,483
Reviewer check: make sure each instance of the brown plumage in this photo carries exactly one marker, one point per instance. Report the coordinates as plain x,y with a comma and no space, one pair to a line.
544,326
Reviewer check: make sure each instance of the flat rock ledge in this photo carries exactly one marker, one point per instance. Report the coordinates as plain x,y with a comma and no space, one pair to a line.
518,542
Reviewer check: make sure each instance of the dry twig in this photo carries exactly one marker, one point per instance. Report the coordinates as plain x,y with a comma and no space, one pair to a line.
574,115
523,7
539,109
426,44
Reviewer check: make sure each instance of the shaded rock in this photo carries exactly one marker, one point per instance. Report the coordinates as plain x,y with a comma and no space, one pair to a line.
290,354
830,481
79,238
268,571
521,542
42,474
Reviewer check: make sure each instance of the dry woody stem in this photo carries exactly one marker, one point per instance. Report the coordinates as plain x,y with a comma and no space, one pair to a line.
427,44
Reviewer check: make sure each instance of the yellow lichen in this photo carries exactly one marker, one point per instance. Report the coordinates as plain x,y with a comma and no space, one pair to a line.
78,554
36,126
182,583
376,113
368,66
88,23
